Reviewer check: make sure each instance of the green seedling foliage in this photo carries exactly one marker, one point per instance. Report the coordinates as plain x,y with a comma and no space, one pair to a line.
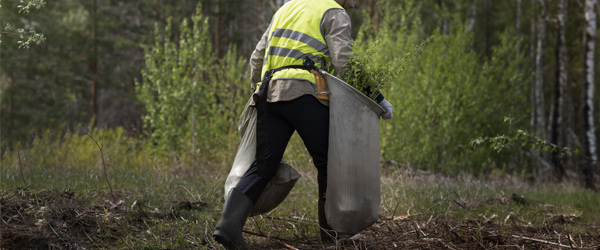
370,76
522,139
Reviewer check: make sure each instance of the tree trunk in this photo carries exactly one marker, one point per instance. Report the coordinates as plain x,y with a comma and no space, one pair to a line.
589,136
444,23
557,121
518,27
472,17
532,40
486,13
376,13
94,66
217,28
538,96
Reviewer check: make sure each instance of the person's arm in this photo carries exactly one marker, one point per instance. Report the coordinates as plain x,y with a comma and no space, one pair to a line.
336,28
257,58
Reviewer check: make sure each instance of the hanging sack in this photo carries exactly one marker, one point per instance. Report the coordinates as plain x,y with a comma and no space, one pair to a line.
353,171
284,180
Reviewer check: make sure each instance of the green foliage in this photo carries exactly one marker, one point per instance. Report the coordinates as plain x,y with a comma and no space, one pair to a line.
41,85
37,4
369,76
26,38
523,139
174,78
30,36
48,86
191,98
447,96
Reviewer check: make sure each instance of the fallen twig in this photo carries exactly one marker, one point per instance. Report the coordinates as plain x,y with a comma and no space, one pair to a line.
273,238
571,241
418,227
440,241
292,218
461,205
402,217
541,241
430,217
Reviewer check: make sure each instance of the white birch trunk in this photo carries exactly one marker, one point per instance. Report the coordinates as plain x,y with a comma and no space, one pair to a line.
589,136
538,88
472,17
539,122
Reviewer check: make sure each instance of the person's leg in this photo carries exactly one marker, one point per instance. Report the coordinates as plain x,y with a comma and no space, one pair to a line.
228,231
279,132
242,198
311,119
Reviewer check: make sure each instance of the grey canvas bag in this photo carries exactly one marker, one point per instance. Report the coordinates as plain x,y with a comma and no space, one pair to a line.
353,173
282,183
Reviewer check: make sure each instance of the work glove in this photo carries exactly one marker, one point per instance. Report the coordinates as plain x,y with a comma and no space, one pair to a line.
388,109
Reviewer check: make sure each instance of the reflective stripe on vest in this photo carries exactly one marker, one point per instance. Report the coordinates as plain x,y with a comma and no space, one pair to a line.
296,34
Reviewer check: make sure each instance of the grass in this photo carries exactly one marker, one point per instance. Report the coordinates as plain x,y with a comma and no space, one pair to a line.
172,201
506,202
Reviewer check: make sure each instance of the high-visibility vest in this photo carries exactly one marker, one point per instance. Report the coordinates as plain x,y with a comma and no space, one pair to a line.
296,34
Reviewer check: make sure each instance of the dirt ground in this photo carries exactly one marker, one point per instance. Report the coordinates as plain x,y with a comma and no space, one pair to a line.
434,233
59,220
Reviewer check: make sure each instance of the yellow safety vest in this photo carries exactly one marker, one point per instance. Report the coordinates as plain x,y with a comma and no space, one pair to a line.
295,35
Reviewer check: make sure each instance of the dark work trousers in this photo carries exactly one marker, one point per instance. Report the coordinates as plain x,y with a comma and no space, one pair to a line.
307,116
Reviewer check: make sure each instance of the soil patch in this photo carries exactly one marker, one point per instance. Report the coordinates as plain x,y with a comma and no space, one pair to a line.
46,219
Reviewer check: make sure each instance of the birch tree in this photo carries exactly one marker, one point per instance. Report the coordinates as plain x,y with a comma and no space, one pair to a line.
589,136
472,16
518,27
538,84
557,121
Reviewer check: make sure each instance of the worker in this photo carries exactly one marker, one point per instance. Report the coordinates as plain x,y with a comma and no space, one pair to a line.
303,34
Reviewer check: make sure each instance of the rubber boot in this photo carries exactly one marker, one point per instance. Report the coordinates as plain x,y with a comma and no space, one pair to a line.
327,234
228,231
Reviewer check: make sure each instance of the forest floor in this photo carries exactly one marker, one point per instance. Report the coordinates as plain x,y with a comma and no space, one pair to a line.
45,219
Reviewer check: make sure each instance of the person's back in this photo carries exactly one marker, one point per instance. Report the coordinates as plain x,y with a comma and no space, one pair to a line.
314,29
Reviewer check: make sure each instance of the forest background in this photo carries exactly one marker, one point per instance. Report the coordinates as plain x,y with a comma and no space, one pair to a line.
134,106
511,74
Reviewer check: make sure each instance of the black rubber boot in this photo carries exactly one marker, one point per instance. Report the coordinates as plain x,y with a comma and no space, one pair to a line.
327,234
228,231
